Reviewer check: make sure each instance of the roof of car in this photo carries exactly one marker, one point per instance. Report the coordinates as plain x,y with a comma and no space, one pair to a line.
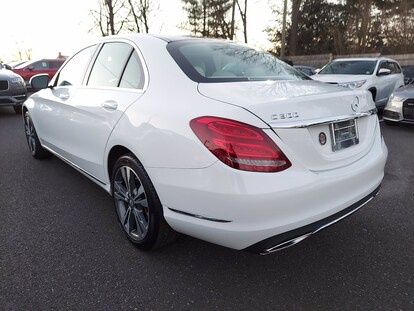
166,38
362,59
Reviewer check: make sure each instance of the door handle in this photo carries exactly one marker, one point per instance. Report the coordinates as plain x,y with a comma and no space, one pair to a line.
64,96
110,104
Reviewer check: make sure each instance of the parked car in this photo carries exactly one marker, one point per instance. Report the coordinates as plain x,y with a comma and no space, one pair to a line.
16,63
381,76
35,67
308,70
12,90
209,138
400,107
408,72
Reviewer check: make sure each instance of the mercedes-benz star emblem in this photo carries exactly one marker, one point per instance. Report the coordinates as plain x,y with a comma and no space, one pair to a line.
355,104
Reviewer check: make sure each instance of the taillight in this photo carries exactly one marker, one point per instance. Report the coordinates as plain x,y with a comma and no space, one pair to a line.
240,145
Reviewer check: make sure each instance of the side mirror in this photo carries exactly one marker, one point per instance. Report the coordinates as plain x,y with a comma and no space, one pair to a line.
39,82
383,72
317,70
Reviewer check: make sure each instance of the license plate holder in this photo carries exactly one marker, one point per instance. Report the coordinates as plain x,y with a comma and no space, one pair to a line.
344,134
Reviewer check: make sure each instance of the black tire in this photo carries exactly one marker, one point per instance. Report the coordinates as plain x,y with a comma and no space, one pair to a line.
18,109
137,205
36,149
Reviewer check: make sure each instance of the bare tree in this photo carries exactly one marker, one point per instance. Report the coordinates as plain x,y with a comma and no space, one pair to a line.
23,51
398,25
139,11
197,16
111,16
293,42
209,18
219,24
243,15
364,9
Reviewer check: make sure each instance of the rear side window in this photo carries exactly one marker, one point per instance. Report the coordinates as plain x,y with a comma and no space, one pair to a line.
133,76
110,64
55,64
396,68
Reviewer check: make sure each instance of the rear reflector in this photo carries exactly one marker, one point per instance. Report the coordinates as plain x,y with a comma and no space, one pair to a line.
239,145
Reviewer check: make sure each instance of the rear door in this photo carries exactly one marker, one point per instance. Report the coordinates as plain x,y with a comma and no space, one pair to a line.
83,117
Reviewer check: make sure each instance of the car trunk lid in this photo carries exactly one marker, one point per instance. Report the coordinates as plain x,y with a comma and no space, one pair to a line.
323,126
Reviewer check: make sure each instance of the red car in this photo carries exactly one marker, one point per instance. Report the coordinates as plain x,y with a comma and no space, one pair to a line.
34,67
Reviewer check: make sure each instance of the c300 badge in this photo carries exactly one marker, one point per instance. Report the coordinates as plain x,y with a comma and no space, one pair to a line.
284,116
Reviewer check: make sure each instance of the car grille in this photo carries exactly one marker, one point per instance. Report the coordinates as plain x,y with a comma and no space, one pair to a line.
4,85
408,109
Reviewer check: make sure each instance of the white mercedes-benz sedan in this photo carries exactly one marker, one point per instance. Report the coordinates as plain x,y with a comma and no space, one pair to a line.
208,138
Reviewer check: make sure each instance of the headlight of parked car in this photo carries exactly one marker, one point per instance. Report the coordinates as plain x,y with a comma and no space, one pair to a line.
17,80
353,84
395,101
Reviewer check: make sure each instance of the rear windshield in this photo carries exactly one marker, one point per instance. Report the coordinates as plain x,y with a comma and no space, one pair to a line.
214,61
350,67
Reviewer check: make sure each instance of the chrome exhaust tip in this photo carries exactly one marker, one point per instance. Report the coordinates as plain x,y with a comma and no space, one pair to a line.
285,244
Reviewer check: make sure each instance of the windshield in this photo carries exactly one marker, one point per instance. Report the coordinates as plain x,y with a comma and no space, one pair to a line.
350,67
213,61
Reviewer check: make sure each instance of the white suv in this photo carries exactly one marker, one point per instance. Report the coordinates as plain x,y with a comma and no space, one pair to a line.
381,76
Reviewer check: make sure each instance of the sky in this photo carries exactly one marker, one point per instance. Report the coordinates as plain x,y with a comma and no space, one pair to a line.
48,27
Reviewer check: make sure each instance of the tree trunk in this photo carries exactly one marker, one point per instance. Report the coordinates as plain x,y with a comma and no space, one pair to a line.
293,42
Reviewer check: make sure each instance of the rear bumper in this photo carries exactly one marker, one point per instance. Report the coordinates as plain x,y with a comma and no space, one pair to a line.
261,211
284,240
244,210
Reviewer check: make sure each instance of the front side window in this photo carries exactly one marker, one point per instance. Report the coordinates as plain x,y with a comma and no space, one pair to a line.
40,65
72,73
110,64
216,61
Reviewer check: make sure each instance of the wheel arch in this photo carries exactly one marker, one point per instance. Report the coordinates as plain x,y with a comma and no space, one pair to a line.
373,91
113,155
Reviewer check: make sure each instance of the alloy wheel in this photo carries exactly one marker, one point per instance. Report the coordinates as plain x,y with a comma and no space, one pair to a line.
30,134
131,203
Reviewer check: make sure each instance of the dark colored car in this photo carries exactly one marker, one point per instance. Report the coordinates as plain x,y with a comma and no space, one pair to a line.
307,70
32,68
13,90
408,72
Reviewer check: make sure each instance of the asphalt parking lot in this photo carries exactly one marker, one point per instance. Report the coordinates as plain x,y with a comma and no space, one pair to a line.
61,248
